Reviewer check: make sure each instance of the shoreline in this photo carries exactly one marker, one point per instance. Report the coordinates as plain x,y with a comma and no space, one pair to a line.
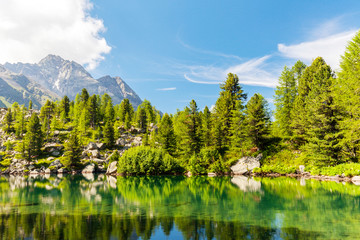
338,178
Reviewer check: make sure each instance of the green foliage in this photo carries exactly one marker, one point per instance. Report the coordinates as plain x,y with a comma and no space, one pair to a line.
34,138
257,120
146,160
7,122
72,151
167,135
108,133
231,100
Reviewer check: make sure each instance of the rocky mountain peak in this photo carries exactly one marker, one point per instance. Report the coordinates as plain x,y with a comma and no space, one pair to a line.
64,77
51,59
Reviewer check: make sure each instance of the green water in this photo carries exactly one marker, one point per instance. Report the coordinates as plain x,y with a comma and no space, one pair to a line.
100,207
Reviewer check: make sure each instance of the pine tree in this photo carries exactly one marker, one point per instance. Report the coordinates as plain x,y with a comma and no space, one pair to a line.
108,132
257,120
19,125
125,108
93,109
64,109
7,122
141,118
206,125
347,97
321,127
30,105
166,135
33,139
231,96
285,95
72,151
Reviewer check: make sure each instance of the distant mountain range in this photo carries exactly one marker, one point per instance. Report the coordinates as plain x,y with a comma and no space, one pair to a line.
53,78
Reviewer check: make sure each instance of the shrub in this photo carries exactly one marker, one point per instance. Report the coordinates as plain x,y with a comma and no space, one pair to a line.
145,160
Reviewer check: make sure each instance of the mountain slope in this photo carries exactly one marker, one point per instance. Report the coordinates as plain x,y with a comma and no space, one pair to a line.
65,77
18,88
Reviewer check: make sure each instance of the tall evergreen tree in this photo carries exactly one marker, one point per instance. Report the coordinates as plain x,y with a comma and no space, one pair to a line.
33,139
7,122
231,96
285,95
166,135
348,99
206,125
321,116
257,120
72,151
19,125
108,132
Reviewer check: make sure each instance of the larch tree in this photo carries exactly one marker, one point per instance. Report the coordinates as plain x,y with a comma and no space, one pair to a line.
33,139
257,120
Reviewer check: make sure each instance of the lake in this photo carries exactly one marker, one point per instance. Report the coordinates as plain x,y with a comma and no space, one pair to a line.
176,207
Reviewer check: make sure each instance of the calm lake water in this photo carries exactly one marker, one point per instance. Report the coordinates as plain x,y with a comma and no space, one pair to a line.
100,207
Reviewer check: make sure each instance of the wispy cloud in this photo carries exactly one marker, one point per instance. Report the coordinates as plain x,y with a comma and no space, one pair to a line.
30,30
252,72
330,48
166,89
206,52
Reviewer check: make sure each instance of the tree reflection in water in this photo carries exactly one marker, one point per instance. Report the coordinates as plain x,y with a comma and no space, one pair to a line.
100,207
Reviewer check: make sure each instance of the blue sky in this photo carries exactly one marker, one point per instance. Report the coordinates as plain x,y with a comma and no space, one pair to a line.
172,51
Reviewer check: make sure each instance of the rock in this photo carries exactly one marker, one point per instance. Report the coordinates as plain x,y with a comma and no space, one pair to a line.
56,132
133,130
101,146
56,153
92,146
112,168
101,168
62,170
48,171
94,153
42,169
99,161
56,164
355,180
211,174
34,172
51,147
89,168
301,169
246,184
120,142
246,164
31,167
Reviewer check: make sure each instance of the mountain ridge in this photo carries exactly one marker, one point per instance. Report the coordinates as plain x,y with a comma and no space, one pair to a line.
64,77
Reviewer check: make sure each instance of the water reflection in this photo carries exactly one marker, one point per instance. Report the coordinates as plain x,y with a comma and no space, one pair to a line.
103,207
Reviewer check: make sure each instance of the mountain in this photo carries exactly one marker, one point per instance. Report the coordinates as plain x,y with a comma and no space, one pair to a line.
18,88
63,77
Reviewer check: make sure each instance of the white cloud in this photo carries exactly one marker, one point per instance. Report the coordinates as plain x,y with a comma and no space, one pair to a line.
330,48
252,72
30,30
166,89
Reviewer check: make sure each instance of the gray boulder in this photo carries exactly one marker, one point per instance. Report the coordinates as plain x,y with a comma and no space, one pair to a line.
34,172
62,170
245,165
92,146
57,164
355,180
112,168
89,168
120,142
47,171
